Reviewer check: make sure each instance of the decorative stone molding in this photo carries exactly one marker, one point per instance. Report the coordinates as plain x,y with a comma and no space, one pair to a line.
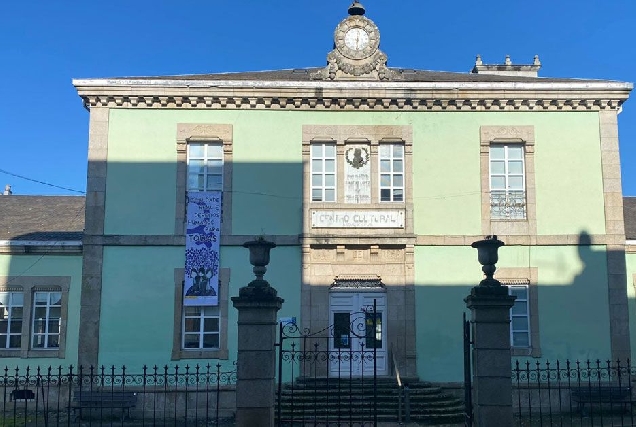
341,66
357,281
304,102
323,253
506,134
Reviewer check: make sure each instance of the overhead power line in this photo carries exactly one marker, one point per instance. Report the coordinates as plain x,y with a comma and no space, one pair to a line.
41,182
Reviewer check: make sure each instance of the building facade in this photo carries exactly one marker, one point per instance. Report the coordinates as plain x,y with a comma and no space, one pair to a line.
373,182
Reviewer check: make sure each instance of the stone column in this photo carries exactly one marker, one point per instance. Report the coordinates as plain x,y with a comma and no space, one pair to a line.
492,364
490,304
257,306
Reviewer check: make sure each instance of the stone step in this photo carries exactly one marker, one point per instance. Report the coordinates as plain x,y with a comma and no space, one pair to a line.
324,399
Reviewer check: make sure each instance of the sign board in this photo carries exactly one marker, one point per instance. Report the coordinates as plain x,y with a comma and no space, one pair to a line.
389,218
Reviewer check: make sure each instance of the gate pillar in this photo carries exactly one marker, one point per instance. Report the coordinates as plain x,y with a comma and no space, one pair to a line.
257,306
490,305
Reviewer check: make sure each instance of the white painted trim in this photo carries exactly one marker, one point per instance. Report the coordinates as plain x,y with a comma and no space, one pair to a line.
630,242
582,85
63,243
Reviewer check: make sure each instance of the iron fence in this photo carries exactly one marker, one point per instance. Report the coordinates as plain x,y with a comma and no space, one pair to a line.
167,396
329,377
581,393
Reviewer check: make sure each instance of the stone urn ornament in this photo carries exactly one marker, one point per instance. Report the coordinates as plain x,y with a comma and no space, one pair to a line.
259,288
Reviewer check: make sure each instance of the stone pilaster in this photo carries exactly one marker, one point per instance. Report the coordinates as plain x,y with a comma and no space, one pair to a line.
492,365
256,359
615,230
93,252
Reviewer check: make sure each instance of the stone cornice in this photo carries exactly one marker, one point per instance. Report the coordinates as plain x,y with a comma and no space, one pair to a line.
319,95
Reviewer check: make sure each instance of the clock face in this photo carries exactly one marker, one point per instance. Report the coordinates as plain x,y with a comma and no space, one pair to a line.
356,39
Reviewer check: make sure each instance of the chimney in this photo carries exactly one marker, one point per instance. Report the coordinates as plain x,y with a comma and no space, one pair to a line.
508,68
7,190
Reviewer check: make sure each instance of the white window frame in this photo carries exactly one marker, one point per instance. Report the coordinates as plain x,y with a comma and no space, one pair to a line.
205,312
47,319
391,173
208,156
518,301
508,203
11,318
323,188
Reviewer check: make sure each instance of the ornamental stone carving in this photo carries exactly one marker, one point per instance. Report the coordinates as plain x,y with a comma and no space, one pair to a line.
358,101
356,53
521,133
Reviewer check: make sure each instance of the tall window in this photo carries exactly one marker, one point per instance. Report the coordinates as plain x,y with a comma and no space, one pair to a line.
201,327
11,306
323,172
507,182
205,166
47,317
391,172
520,317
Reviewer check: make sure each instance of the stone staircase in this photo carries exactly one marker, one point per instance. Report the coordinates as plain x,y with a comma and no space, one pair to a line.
330,401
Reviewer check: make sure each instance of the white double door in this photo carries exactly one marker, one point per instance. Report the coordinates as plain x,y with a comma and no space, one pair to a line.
355,330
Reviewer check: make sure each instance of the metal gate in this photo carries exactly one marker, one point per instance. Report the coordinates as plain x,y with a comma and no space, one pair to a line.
468,383
307,393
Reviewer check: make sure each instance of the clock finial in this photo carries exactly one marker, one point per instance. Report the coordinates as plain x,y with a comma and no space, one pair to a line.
356,8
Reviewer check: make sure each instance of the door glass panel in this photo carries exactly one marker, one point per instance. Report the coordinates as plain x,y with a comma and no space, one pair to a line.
373,332
341,331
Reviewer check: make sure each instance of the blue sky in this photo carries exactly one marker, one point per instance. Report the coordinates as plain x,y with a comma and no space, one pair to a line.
44,44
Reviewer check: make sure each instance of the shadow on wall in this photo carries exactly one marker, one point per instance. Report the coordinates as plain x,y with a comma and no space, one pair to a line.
571,305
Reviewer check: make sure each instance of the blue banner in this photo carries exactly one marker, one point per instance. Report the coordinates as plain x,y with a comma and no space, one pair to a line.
203,236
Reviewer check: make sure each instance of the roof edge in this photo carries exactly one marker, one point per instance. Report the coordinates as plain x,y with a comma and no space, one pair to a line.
229,83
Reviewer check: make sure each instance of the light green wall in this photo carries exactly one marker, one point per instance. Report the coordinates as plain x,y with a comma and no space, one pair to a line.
447,192
140,193
137,312
49,265
631,299
573,306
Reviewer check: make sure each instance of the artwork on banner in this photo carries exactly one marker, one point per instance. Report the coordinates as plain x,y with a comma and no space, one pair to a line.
203,228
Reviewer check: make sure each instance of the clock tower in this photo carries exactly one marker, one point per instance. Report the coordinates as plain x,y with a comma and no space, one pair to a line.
356,54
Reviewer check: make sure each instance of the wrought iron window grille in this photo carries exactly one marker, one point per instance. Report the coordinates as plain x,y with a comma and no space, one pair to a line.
508,204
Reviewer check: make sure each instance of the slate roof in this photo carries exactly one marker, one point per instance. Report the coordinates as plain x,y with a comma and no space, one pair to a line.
406,75
629,213
41,218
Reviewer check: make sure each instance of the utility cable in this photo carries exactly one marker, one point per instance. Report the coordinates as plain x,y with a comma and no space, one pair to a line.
41,182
